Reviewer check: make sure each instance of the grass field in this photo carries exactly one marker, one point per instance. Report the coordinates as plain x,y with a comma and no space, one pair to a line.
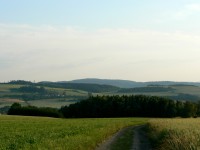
193,90
48,133
29,133
73,96
175,134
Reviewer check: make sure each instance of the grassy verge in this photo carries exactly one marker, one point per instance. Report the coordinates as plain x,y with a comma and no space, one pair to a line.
175,134
50,133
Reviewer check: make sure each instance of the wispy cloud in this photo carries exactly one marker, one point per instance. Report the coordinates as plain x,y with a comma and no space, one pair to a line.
61,53
187,11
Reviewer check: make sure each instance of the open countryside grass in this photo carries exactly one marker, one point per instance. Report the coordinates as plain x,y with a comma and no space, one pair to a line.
7,87
175,134
7,97
184,89
194,90
49,133
70,92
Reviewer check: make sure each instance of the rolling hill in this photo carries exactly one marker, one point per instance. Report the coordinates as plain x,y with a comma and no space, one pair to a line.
57,94
89,87
128,83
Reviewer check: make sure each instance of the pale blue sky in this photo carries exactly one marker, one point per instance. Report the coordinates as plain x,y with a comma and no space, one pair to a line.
141,40
92,14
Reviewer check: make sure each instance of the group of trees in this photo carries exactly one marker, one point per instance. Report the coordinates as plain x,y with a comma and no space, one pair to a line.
130,106
115,106
21,82
17,109
32,89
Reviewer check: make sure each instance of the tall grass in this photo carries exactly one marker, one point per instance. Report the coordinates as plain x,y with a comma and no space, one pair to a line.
69,134
175,134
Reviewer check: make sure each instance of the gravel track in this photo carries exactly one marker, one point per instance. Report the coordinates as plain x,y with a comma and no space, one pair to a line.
140,141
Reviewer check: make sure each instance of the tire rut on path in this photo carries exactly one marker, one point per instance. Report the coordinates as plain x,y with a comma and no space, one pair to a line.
107,144
140,141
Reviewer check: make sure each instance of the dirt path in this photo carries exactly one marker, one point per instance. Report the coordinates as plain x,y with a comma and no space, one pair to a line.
140,142
106,144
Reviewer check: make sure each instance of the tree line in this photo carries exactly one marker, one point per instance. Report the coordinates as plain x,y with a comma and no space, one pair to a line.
115,106
17,109
32,89
131,106
146,89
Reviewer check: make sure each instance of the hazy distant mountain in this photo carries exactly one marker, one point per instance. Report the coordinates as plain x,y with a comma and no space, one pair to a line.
128,83
173,83
118,83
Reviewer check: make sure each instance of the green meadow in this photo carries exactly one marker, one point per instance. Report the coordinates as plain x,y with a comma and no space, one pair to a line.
49,133
29,133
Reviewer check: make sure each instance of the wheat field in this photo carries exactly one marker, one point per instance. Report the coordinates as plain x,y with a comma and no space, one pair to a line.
175,134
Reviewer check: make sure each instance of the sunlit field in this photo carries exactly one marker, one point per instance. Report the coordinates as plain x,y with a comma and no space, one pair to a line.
175,134
49,133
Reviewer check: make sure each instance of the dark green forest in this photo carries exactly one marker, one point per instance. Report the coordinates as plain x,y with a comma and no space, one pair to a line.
131,106
116,106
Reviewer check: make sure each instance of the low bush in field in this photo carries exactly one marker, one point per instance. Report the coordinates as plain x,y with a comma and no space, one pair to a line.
175,134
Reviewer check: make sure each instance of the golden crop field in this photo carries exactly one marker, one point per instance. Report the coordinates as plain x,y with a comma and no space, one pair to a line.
175,134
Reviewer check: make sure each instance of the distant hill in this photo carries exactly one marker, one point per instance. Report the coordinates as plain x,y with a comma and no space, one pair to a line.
89,87
118,83
146,89
128,83
173,83
57,94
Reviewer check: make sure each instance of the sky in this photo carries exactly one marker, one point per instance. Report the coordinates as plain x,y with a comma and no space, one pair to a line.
61,40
